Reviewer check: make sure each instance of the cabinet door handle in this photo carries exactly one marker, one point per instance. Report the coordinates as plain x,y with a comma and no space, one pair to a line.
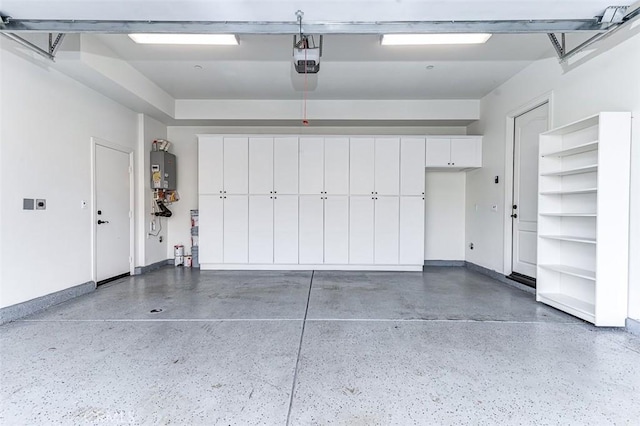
515,216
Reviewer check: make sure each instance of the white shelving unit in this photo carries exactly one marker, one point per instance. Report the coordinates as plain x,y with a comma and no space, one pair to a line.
583,224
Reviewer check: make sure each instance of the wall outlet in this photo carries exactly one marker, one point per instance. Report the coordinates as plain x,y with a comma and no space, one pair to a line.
83,204
41,204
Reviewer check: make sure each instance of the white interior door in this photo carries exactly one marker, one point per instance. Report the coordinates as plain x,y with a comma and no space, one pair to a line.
285,233
361,224
311,240
336,166
311,166
236,165
113,224
412,230
236,229
362,163
285,163
261,229
527,128
336,230
412,177
438,152
387,230
211,230
387,166
260,165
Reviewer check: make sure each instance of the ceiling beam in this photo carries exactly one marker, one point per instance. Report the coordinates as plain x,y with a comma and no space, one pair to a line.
9,24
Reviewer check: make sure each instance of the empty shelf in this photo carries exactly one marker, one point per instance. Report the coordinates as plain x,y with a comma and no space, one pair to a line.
575,171
577,307
571,192
578,149
570,270
570,238
568,214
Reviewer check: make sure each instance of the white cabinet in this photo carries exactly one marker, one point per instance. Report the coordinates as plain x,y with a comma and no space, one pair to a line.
361,230
583,218
362,162
386,230
411,230
210,164
260,165
311,226
285,229
387,166
311,166
456,153
236,228
336,166
336,230
261,225
412,169
210,229
236,165
285,165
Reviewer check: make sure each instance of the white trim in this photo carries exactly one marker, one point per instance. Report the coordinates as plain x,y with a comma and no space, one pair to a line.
293,267
508,169
130,151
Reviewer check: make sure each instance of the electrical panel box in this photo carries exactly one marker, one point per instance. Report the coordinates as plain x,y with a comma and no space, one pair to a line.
163,170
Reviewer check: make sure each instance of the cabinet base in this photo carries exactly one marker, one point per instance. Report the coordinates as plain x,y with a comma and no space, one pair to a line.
252,267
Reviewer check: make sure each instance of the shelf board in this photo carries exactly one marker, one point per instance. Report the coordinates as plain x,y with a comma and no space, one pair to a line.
571,305
568,214
574,171
569,238
571,192
570,270
578,149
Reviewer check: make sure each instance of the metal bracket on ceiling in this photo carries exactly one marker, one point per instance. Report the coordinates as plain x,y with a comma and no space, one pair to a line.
613,14
54,44
560,46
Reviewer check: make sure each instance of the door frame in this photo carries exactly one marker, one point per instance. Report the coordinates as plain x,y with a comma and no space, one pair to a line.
94,206
509,169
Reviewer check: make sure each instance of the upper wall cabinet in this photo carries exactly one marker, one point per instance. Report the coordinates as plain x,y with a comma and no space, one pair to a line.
454,153
324,165
375,166
412,152
223,164
273,165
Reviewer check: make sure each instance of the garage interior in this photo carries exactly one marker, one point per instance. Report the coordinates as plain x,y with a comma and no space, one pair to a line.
302,222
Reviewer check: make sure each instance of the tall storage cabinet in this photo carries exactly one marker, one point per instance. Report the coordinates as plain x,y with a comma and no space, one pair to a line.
583,224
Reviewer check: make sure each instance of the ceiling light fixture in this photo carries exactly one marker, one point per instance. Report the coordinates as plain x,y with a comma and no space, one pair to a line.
419,39
202,39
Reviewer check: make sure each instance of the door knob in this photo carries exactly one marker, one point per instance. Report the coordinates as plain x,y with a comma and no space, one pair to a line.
514,215
100,222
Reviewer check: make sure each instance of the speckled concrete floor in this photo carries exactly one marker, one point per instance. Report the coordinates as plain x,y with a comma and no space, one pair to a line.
447,346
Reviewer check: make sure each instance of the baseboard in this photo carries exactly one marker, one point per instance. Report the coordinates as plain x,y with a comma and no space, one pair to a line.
444,263
633,326
14,312
139,270
498,276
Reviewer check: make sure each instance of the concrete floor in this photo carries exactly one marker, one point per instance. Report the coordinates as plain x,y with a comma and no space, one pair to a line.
447,346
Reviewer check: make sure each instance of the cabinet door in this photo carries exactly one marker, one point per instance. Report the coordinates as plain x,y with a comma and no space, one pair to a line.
311,238
336,166
361,224
362,163
261,229
211,229
464,152
387,166
387,230
260,165
411,230
412,154
236,229
311,166
236,165
336,230
285,160
210,165
285,233
438,152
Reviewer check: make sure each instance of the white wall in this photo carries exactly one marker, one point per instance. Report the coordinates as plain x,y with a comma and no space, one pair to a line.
608,82
153,249
186,149
444,216
48,120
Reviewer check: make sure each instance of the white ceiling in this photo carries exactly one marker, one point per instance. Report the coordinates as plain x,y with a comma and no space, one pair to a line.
352,67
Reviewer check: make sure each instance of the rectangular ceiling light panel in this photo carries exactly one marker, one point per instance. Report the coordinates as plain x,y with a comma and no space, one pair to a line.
420,39
202,39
